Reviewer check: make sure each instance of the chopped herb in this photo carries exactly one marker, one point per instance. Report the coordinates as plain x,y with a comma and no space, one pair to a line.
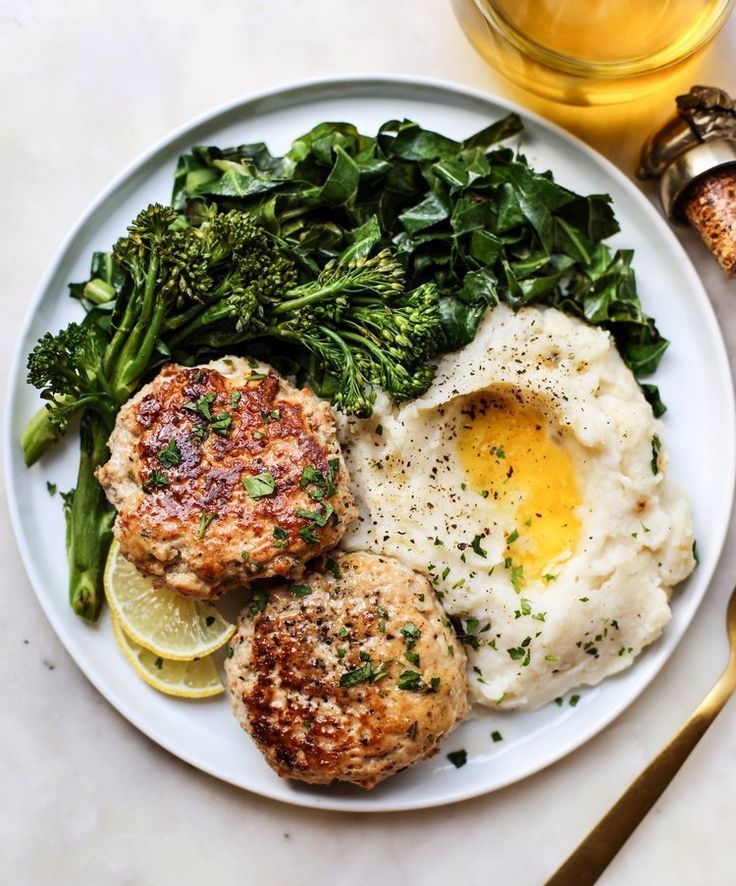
256,376
696,557
245,555
234,399
310,474
365,674
342,631
551,657
496,736
548,577
379,430
159,662
221,424
656,448
334,567
260,486
156,480
410,680
412,658
341,651
476,546
229,651
445,572
319,519
411,633
275,414
434,684
458,758
309,535
512,537
517,574
645,528
438,541
202,405
258,435
528,522
583,599
51,487
574,699
252,362
201,431
281,536
413,730
258,603
526,606
558,701
301,590
500,452
209,621
204,522
170,455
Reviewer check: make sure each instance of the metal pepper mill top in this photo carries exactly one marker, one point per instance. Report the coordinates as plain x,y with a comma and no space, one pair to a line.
694,156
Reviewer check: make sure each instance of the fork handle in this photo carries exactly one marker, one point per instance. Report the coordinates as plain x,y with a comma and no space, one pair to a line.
586,864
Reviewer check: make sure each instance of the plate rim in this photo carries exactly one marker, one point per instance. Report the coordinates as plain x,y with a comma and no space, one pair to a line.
289,92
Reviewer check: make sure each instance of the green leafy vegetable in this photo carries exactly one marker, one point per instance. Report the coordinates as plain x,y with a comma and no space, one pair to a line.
260,486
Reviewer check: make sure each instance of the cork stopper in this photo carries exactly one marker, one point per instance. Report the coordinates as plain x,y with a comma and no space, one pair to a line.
694,156
710,207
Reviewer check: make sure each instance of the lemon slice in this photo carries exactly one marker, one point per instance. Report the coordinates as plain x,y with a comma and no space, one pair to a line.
167,624
184,679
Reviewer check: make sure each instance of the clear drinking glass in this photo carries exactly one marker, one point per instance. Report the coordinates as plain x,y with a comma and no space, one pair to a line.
591,52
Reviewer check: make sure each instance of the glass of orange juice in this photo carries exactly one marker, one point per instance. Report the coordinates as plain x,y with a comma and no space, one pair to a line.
591,52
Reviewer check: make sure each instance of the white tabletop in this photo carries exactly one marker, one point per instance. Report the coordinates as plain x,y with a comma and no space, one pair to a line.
84,797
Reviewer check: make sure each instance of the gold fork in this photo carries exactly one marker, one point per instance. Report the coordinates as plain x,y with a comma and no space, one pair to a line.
595,853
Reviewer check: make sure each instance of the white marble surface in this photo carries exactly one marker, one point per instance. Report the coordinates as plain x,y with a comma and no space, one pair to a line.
86,799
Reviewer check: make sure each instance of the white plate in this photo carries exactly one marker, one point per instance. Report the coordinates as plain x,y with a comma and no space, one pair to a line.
694,378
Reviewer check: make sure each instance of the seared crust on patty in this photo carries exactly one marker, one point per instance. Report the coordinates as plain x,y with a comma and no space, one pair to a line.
224,473
316,677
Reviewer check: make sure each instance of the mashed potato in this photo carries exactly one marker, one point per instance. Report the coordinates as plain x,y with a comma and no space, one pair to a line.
529,485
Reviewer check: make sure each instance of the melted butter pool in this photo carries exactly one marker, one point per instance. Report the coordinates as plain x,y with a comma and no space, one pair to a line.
512,457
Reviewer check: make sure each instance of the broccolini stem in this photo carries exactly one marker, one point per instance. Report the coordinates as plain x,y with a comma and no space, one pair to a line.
89,522
312,296
38,435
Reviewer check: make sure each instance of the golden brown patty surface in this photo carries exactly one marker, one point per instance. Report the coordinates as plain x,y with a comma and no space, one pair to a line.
224,473
352,674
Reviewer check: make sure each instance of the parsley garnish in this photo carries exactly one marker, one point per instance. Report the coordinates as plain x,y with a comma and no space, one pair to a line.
229,651
496,735
51,487
221,423
656,447
258,603
260,486
281,537
204,522
458,758
301,590
364,674
202,405
512,537
170,455
475,545
234,399
319,519
410,680
156,480
309,534
334,567
209,621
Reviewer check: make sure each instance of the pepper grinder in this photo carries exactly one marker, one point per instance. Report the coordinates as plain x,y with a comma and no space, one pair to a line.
694,156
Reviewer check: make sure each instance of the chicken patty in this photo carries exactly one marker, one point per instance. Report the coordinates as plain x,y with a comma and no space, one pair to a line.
224,473
352,675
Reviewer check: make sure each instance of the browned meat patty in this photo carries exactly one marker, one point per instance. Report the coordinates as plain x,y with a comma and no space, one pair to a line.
352,675
224,473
